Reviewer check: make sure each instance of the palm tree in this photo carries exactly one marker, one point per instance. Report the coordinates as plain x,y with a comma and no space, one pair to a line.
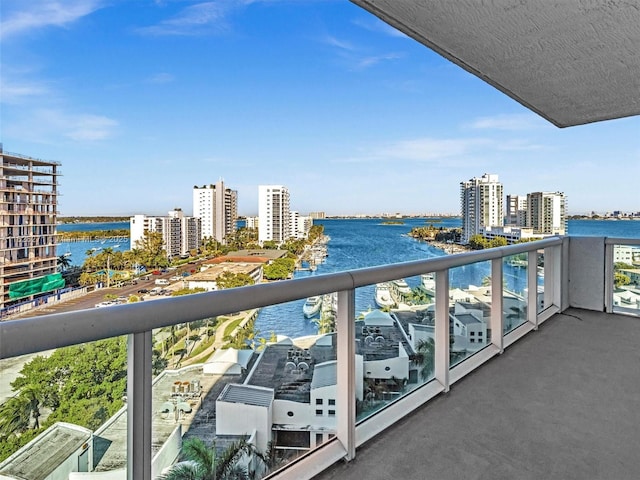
63,262
15,415
201,462
425,357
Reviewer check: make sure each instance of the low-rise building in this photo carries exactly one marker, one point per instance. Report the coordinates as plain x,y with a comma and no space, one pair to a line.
208,276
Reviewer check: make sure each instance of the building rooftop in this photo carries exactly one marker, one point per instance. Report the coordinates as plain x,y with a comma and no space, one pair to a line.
466,318
289,370
261,255
214,271
247,394
376,341
110,449
561,403
51,448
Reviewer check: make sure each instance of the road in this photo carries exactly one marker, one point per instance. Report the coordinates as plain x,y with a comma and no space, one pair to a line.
10,367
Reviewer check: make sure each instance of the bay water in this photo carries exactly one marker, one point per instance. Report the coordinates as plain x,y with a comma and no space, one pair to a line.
360,243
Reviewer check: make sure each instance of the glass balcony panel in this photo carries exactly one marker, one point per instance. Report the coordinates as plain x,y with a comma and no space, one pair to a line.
68,405
540,306
394,340
514,291
469,310
251,377
626,279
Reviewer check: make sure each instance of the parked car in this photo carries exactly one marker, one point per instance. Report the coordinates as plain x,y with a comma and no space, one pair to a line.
175,278
143,290
155,272
104,304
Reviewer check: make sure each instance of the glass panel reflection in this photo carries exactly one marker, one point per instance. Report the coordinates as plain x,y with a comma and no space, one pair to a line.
514,291
469,310
626,278
64,407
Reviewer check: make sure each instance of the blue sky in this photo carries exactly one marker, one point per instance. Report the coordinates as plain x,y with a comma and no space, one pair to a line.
140,100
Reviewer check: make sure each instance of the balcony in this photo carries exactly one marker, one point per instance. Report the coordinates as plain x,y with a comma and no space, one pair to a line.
545,399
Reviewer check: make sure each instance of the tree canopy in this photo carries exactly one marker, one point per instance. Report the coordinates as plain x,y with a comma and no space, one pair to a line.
82,384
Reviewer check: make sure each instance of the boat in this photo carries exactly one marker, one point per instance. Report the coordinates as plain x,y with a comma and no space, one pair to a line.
401,286
383,296
428,283
312,306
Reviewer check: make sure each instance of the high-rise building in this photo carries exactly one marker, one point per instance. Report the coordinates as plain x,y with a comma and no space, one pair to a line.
273,212
180,234
480,205
217,207
516,211
547,213
300,225
28,218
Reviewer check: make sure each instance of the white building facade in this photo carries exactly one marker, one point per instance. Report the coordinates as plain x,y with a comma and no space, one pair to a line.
547,213
516,210
217,208
180,233
300,225
481,205
274,214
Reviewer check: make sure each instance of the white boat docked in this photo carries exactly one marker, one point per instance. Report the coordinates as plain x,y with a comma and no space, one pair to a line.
401,286
383,296
428,283
312,306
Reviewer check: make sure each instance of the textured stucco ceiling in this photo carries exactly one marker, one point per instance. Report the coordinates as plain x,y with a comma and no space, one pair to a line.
571,61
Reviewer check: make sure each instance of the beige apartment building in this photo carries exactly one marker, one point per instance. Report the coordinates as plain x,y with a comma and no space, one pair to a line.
28,217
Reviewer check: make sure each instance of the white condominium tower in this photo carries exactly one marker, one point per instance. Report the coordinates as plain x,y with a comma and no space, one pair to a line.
516,210
180,234
217,208
273,212
547,213
481,205
28,219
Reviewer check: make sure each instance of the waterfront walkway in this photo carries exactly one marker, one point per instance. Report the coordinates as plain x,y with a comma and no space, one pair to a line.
562,403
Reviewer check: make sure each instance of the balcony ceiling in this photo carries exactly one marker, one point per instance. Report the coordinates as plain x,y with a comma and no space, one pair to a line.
571,61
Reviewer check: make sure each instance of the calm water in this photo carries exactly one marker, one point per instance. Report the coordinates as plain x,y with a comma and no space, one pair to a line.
364,243
77,251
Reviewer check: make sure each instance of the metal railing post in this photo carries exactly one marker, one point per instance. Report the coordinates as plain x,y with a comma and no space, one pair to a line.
497,336
139,376
532,285
346,365
608,277
442,335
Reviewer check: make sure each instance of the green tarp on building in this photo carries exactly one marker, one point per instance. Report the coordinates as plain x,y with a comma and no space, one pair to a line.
36,286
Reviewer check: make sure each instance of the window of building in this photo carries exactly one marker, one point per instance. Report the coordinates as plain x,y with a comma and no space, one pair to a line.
318,401
332,401
332,413
319,412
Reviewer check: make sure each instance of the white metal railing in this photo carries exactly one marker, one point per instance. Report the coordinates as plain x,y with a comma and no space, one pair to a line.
137,320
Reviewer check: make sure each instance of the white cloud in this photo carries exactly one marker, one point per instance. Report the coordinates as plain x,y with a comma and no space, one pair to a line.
425,150
202,18
81,127
161,78
335,42
516,121
378,26
367,62
21,16
13,92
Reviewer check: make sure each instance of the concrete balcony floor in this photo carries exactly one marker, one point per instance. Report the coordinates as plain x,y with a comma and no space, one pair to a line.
562,403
